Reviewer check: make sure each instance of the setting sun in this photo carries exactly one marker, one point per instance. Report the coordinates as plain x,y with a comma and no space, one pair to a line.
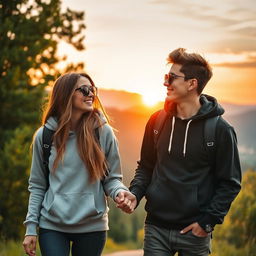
150,99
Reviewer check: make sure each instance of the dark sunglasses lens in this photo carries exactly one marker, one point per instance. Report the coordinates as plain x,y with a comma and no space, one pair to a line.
168,78
85,91
171,78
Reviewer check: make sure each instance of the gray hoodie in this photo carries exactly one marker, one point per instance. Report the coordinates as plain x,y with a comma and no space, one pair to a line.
71,203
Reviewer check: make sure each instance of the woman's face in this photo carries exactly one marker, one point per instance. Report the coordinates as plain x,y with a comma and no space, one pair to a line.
81,101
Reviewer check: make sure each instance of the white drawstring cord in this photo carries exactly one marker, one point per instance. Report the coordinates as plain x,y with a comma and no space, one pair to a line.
185,140
170,142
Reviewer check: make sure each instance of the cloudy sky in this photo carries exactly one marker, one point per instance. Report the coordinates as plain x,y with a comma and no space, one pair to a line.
127,42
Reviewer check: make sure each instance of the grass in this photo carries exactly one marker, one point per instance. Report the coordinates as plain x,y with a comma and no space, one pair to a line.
13,248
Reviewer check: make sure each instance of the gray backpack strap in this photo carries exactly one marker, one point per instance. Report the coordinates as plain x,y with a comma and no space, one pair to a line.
209,138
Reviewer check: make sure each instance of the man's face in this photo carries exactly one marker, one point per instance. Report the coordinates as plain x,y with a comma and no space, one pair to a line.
177,87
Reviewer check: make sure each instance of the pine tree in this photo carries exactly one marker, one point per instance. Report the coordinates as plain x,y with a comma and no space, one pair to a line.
29,35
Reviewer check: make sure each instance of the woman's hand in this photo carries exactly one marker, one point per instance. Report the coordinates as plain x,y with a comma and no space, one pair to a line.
29,245
126,201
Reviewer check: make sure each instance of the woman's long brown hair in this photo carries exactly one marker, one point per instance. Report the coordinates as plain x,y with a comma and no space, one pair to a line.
60,107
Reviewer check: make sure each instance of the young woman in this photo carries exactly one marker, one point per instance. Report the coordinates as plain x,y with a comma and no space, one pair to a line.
69,203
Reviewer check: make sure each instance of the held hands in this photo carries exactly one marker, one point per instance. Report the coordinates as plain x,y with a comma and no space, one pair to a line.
126,201
29,245
196,230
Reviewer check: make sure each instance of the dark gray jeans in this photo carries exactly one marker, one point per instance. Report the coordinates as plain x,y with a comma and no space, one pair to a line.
55,243
166,242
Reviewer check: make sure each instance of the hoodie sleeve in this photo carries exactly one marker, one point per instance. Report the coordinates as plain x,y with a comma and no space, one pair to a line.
143,173
113,181
37,186
227,175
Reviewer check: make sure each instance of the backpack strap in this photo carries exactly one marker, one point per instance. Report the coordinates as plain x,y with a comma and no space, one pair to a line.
158,124
47,143
209,137
209,133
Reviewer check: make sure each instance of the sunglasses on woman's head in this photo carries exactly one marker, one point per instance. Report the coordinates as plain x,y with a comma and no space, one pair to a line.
85,90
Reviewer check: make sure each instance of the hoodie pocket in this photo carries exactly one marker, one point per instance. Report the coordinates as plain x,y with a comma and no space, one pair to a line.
172,201
72,208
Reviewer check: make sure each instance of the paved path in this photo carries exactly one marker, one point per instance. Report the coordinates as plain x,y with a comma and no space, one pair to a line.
126,253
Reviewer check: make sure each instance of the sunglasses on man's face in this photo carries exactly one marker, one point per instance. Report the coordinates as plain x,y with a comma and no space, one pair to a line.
86,90
170,77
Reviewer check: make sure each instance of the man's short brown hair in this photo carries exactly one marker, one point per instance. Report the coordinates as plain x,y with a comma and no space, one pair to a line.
193,66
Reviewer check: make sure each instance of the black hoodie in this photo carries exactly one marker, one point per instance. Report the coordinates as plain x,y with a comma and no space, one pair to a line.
176,177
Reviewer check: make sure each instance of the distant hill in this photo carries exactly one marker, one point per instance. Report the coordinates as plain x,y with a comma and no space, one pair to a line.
124,100
119,99
245,126
236,109
129,131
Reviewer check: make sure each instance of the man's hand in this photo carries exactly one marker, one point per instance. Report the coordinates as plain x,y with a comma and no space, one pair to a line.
126,201
29,245
196,230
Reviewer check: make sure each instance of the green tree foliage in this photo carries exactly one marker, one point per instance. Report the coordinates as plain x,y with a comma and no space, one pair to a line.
124,227
237,236
14,181
119,227
29,34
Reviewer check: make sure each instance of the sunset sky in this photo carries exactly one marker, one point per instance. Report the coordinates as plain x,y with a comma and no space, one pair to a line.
127,42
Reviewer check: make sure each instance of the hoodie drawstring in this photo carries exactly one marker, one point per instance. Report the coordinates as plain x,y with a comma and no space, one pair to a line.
170,143
185,139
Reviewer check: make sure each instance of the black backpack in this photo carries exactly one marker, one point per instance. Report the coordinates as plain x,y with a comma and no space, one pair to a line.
209,132
47,144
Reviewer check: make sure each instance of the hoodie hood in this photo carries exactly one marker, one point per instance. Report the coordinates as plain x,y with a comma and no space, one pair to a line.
52,123
209,108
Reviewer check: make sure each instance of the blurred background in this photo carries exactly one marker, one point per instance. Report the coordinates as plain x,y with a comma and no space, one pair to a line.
123,45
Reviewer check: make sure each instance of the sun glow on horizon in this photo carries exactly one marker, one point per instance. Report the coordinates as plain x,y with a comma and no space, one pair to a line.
150,99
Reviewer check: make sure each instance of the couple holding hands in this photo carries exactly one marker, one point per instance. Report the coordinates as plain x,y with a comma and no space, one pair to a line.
186,193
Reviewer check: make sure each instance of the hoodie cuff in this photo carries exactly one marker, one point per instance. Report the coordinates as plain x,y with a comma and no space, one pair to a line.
138,195
31,229
207,219
119,190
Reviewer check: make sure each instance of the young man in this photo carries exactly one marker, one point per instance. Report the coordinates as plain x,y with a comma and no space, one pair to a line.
186,193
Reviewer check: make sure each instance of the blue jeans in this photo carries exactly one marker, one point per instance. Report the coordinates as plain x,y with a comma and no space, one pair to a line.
166,242
55,243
